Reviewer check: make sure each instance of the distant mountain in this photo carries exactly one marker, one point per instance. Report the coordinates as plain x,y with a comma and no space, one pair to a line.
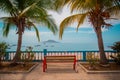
50,41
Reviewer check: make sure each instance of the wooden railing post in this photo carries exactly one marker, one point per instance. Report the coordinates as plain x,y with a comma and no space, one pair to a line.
45,52
7,56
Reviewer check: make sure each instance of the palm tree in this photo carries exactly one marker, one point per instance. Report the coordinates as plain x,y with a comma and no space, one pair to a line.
97,11
23,14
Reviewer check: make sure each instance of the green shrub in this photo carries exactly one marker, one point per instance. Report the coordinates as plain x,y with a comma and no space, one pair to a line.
3,47
28,57
116,47
92,59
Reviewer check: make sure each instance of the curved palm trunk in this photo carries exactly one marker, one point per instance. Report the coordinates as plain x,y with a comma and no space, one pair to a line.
103,59
18,51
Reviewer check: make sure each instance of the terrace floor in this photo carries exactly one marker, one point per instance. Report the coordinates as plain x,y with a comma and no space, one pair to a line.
59,72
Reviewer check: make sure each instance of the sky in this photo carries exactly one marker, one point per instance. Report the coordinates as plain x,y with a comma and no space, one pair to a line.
85,33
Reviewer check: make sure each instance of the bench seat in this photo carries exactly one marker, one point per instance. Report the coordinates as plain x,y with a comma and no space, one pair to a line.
59,59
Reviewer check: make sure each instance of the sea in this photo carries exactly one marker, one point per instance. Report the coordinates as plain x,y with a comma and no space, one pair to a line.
60,47
109,36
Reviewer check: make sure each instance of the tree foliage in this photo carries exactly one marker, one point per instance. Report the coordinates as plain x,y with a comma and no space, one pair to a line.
98,12
23,14
116,46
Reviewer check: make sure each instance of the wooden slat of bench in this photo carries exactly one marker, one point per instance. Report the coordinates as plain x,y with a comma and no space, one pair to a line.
60,61
60,57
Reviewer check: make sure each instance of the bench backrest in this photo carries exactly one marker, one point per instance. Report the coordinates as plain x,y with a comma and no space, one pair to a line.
60,58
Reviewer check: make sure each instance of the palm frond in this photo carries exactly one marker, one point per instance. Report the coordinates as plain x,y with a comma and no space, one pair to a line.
74,4
49,23
69,20
47,4
59,4
22,4
40,15
114,10
26,9
6,5
31,10
8,24
117,2
6,29
37,32
36,13
81,20
30,25
81,5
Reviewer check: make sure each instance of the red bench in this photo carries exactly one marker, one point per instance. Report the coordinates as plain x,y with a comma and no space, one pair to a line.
59,59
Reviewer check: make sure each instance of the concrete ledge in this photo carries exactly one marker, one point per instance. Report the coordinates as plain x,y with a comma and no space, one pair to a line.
14,72
95,72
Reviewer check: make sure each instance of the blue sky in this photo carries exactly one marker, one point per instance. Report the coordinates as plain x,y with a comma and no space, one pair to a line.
85,34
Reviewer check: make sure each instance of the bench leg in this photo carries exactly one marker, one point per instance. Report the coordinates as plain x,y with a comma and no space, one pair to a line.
44,66
74,66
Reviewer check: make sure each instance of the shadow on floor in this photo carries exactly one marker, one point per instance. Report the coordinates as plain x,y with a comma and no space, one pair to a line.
58,70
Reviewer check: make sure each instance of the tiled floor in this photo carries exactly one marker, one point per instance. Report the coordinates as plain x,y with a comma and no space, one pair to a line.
59,72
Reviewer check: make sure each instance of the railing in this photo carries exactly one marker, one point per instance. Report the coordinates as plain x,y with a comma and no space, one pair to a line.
39,55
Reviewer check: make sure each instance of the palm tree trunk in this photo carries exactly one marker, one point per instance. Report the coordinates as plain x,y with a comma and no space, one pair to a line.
18,51
103,59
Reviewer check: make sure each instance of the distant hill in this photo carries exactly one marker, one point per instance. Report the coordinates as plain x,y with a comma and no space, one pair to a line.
50,41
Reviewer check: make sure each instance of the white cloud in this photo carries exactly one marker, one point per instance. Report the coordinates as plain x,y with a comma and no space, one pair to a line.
60,16
66,12
33,33
29,33
113,22
2,14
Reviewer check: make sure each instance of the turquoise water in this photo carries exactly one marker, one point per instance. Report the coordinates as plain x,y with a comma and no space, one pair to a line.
60,47
84,39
